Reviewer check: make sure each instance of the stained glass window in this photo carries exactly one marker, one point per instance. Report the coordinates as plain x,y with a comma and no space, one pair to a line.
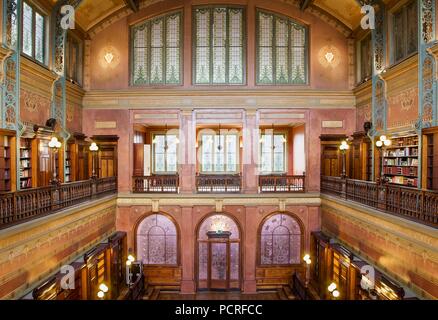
33,33
165,153
157,241
273,153
365,58
157,51
280,241
219,152
405,31
73,59
281,50
218,45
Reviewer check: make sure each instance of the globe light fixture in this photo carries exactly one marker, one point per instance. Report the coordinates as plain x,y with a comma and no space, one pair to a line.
336,293
103,287
100,294
131,258
332,287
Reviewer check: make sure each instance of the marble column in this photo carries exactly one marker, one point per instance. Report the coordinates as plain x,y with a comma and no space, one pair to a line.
250,151
187,251
187,152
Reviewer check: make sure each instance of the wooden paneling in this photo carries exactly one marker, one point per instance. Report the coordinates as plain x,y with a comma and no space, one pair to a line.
276,277
163,276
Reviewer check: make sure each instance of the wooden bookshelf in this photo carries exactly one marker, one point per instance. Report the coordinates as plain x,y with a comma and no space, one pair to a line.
25,155
400,161
69,147
430,158
7,161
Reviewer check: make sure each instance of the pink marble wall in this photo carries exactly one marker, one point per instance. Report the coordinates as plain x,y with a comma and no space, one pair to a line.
363,114
323,38
74,118
124,130
188,218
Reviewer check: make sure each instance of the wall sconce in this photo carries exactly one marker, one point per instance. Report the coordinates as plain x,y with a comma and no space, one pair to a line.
109,57
329,56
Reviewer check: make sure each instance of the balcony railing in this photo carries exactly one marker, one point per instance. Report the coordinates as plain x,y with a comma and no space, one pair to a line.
156,184
273,183
21,206
219,183
414,204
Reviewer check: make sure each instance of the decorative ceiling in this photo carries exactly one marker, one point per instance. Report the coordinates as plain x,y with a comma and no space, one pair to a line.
91,12
346,11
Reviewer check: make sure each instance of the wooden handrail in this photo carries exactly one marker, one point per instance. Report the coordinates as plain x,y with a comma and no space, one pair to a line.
156,184
414,204
20,206
279,183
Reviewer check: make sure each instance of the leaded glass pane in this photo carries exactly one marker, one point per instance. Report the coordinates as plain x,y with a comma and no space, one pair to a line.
280,241
236,46
39,37
298,55
27,29
157,51
412,28
399,47
273,153
265,57
173,49
219,153
157,241
231,153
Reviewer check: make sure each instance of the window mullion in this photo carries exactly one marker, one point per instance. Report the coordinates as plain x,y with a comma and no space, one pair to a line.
164,53
149,51
211,45
274,50
227,46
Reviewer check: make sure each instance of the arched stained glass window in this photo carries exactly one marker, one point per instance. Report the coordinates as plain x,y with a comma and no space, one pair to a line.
281,50
157,241
156,51
280,241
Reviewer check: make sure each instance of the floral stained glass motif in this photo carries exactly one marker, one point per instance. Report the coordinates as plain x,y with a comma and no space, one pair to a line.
157,51
281,50
280,241
218,45
157,241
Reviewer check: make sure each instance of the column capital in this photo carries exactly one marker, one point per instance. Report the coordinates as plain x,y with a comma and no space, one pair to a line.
251,111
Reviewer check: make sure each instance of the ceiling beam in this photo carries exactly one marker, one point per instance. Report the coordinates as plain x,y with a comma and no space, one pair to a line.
133,4
304,4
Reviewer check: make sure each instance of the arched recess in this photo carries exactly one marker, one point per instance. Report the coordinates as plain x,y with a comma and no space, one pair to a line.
280,247
218,259
157,245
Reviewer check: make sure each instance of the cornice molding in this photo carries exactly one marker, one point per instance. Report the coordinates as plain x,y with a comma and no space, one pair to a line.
399,69
128,200
236,99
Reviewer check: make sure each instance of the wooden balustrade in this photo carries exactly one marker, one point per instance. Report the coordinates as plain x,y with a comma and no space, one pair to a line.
219,183
20,206
414,204
156,184
277,183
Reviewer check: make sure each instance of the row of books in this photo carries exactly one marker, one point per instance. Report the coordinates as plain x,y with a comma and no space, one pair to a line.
25,153
411,182
26,184
402,152
405,171
405,141
401,162
25,164
25,174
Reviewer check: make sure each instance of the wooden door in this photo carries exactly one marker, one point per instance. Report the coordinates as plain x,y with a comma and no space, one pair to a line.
106,163
330,161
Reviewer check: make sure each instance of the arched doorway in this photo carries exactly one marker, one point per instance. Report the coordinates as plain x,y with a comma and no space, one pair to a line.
218,254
